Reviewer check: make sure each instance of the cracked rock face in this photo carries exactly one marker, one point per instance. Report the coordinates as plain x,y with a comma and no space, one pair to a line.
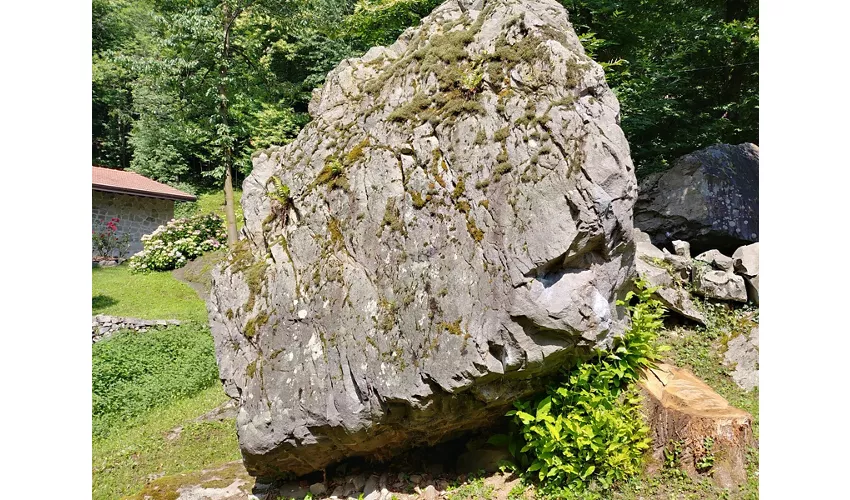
453,226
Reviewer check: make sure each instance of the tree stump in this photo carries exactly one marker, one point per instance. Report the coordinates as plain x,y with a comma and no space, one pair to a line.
698,429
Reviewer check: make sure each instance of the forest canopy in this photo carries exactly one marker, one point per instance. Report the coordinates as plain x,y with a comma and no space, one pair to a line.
183,88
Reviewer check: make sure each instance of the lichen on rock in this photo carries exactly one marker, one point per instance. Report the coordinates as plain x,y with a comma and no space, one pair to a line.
420,276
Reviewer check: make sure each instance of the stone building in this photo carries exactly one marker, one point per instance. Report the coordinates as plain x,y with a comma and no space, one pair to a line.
140,203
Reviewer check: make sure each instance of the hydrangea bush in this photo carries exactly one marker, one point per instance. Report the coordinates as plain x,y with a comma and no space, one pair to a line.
173,244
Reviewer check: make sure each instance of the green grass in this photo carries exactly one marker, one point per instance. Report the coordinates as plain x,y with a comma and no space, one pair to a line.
211,203
122,462
473,488
156,295
145,384
133,373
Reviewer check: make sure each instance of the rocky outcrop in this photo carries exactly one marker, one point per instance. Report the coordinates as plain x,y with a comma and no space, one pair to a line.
452,226
709,198
698,429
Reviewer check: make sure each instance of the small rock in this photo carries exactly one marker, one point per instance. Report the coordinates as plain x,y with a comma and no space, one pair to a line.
746,260
721,285
716,259
682,248
430,493
174,433
292,490
742,355
318,489
415,479
339,492
681,265
358,481
372,491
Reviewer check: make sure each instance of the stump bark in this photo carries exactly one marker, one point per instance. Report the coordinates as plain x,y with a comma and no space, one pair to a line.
709,435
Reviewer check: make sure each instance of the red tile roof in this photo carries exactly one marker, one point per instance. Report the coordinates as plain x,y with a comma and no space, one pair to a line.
120,181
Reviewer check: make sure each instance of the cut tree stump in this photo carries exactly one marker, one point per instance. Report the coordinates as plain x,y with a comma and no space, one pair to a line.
686,416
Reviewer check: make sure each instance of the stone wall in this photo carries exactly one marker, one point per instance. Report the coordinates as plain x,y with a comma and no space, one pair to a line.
139,215
103,326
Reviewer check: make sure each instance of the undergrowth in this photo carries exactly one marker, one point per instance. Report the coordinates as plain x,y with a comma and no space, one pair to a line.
588,427
133,373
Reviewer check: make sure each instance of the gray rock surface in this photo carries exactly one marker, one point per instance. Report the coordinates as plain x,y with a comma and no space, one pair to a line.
457,226
709,198
742,355
746,263
670,273
752,288
682,248
721,285
715,259
746,260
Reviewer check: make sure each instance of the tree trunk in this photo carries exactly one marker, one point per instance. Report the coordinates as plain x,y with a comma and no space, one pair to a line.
229,210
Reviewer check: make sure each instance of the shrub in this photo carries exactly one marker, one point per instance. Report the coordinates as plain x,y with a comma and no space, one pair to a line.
588,425
135,372
107,243
173,244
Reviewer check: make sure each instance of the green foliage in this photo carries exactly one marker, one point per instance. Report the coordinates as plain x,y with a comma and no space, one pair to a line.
174,243
686,75
135,372
210,202
706,461
588,425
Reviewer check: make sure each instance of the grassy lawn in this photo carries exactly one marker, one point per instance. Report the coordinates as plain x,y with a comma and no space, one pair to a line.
156,295
146,384
127,459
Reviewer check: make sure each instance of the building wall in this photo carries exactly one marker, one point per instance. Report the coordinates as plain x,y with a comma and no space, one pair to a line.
139,215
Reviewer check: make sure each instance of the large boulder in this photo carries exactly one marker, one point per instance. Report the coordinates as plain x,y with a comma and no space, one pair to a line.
709,198
452,227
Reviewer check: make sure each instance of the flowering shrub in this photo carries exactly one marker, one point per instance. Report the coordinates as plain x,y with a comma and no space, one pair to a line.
171,245
106,242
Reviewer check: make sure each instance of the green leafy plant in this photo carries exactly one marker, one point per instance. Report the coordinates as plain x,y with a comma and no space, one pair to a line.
588,426
171,245
706,461
672,454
